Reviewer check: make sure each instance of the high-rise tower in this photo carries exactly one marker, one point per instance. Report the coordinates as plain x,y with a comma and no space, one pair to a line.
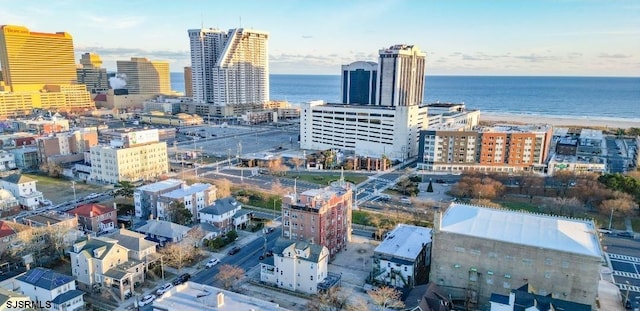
359,82
401,76
144,76
229,68
91,73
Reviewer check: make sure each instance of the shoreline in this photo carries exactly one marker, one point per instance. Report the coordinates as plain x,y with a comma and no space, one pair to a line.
561,121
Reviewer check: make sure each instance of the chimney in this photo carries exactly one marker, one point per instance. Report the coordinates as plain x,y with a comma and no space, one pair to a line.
220,300
115,206
88,237
122,225
90,214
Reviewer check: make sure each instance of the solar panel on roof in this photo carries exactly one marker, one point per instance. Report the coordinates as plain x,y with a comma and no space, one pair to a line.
35,275
59,281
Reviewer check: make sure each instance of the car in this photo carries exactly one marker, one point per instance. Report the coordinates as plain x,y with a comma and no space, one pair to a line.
385,197
146,300
267,254
234,250
164,288
212,262
625,234
405,200
182,278
269,230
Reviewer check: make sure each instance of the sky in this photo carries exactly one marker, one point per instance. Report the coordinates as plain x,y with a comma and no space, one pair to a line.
536,38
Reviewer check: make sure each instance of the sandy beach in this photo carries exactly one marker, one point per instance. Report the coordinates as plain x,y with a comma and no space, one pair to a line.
560,120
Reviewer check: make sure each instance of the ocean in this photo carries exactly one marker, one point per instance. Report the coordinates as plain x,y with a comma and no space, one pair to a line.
580,97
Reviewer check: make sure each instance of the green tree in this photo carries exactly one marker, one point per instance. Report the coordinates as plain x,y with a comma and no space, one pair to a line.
124,189
430,187
178,213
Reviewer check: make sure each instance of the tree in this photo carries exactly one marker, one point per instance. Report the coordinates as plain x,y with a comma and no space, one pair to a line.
407,187
297,162
124,189
278,188
223,187
178,213
430,187
52,169
334,300
180,254
564,206
276,167
622,205
228,274
386,297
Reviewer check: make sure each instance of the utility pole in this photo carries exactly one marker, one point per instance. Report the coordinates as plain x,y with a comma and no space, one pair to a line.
75,200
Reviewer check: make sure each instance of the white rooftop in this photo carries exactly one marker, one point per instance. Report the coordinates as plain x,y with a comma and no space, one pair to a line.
187,190
161,185
536,230
405,241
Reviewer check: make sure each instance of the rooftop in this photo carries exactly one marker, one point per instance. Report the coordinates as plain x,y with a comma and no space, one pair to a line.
315,250
161,185
535,230
132,240
44,219
510,128
6,294
90,210
221,206
163,228
405,241
192,296
45,278
187,190
18,179
10,228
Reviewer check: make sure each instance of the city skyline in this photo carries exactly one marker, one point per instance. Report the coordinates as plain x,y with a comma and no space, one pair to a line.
583,38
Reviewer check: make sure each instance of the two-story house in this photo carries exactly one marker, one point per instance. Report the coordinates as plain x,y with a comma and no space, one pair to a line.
145,198
95,217
163,231
403,258
7,201
61,224
226,214
298,266
53,290
103,263
140,249
24,189
194,197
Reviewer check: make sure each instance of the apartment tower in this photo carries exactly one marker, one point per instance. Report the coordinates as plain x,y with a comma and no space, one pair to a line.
91,73
188,85
401,71
229,68
145,77
359,82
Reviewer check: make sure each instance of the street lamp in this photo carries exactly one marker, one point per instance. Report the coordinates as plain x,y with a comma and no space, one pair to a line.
611,218
75,200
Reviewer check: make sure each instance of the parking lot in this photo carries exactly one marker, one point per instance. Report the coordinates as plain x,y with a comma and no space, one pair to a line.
624,256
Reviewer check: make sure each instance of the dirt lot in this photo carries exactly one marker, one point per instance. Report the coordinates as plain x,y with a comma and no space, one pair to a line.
59,190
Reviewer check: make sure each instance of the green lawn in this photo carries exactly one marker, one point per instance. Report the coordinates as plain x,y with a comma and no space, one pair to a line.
61,190
326,178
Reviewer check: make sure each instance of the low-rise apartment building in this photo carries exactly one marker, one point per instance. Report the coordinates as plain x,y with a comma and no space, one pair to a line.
194,197
145,198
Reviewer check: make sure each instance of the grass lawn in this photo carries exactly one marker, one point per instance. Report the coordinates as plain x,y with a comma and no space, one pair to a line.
60,190
325,179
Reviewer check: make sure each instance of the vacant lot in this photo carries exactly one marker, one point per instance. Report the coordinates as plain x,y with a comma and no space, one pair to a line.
60,190
325,178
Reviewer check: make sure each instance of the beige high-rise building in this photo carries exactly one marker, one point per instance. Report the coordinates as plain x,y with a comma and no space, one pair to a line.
91,73
188,86
144,76
39,72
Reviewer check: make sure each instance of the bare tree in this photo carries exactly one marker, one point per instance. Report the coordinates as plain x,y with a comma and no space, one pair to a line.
223,187
181,254
297,162
386,297
335,300
623,205
278,188
564,206
276,167
228,274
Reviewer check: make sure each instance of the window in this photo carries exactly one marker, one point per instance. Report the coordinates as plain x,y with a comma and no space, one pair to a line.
312,278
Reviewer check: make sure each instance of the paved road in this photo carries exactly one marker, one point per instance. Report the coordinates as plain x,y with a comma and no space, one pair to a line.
624,255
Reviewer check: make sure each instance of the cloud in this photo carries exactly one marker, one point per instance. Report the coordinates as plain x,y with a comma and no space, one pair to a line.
307,37
574,55
618,56
120,22
126,53
536,58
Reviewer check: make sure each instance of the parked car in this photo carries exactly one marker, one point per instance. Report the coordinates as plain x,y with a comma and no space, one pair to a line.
234,250
212,262
267,254
626,234
146,300
405,200
182,278
164,288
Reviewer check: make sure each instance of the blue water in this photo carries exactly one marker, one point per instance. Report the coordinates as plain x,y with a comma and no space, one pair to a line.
581,97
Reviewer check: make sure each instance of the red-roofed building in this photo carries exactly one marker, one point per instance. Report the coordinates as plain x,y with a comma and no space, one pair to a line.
95,217
10,234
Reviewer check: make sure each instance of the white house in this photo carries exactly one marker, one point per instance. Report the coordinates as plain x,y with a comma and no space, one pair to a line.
402,259
226,214
24,189
298,266
54,290
194,197
7,161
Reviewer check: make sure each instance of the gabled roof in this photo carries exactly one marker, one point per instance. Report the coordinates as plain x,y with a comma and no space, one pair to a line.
18,179
164,229
6,294
221,206
9,228
132,240
315,250
104,245
90,210
66,296
535,230
45,278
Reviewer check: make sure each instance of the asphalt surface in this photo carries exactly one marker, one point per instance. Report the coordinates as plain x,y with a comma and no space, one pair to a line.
624,255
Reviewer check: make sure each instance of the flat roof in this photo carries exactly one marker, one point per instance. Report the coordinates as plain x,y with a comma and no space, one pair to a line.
536,230
187,190
161,185
405,241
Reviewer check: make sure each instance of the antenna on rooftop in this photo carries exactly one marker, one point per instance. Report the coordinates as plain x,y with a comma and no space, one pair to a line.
201,21
240,21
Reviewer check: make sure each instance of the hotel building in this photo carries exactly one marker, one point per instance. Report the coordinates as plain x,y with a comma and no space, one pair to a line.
188,86
91,73
401,76
38,72
136,156
144,76
359,82
229,68
500,148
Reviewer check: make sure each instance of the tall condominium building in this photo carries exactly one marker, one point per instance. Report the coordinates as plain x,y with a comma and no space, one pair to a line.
500,148
229,68
144,76
188,85
401,76
359,82
320,216
38,72
91,73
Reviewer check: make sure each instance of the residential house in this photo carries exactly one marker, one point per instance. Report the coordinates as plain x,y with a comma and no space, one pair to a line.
95,217
403,258
59,222
163,231
194,197
26,158
7,200
140,249
24,189
298,266
145,198
7,161
524,298
10,300
54,291
103,263
226,214
12,235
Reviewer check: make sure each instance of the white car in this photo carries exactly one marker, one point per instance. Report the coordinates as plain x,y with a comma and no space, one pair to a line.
212,262
163,289
146,300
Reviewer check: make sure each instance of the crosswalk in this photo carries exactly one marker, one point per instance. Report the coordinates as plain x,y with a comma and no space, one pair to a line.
623,257
626,286
627,274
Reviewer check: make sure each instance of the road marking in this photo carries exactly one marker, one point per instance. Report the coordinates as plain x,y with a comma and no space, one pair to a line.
623,257
630,288
626,274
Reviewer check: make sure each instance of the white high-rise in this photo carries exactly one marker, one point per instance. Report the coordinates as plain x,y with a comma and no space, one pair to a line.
401,76
229,68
